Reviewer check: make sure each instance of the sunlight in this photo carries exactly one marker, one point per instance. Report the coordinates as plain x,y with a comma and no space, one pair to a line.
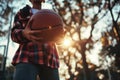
67,42
75,36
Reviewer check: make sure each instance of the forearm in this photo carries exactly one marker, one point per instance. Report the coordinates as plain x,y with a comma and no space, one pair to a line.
18,37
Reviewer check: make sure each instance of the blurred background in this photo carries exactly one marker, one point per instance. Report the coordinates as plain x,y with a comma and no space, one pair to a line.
91,48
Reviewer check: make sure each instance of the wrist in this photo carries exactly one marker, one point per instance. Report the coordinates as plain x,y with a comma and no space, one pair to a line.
24,36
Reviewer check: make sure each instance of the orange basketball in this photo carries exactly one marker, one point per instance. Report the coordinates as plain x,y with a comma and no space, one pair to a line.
50,24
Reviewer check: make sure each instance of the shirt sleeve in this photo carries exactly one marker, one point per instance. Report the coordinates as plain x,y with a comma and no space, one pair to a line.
16,32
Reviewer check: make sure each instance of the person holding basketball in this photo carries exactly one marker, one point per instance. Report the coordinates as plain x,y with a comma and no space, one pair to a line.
32,59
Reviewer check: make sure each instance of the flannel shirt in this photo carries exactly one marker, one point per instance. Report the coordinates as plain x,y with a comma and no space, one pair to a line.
29,52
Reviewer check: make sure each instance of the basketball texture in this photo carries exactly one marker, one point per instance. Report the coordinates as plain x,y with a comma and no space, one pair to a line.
50,24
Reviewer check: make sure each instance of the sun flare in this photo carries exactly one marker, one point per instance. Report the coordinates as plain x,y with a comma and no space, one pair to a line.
67,42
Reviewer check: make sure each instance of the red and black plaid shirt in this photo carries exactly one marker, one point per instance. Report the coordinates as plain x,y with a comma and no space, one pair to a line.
30,52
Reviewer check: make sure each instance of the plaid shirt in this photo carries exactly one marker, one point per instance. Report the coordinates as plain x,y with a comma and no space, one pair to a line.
28,51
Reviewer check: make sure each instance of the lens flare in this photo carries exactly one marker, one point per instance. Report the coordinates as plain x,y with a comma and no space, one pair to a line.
67,42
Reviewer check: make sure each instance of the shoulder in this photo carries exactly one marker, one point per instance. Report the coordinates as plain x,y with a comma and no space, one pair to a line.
25,11
25,8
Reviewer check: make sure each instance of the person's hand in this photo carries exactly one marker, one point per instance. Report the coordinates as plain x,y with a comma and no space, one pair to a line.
32,35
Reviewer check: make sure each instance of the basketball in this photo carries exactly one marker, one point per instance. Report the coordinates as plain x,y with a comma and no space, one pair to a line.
50,24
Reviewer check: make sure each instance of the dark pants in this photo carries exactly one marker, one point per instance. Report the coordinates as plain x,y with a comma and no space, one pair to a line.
27,71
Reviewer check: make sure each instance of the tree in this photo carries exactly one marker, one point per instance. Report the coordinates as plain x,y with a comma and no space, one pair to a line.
6,17
93,30
83,14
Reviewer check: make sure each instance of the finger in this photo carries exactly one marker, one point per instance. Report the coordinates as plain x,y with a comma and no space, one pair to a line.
39,39
35,38
35,32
